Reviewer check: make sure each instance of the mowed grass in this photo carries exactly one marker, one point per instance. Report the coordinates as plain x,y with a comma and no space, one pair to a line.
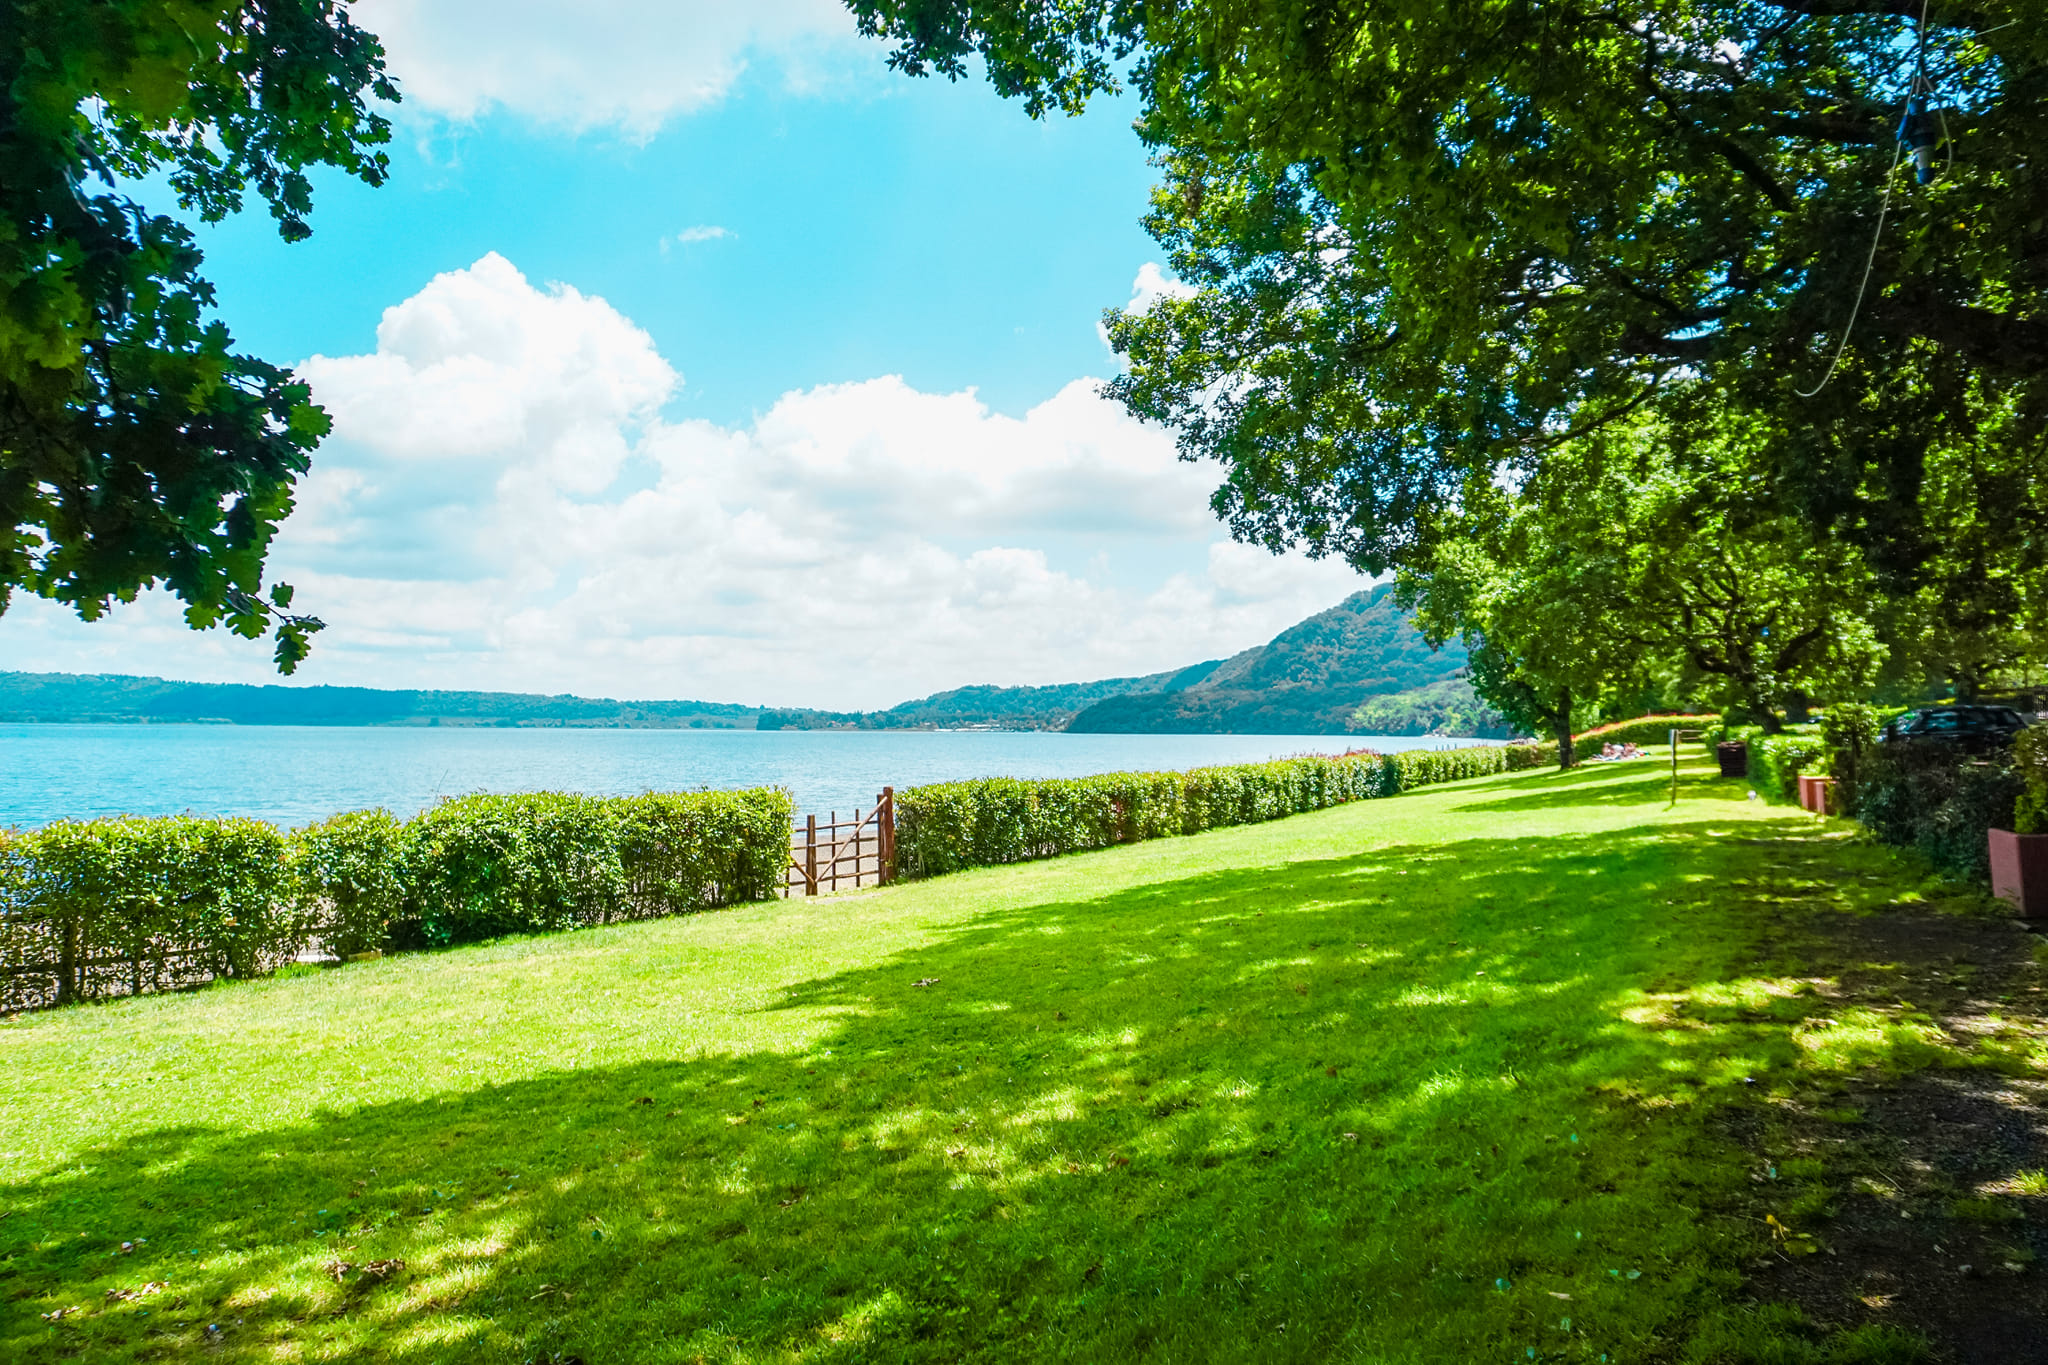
1423,1079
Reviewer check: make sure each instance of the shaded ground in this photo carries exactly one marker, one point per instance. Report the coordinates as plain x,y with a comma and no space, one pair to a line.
1923,1194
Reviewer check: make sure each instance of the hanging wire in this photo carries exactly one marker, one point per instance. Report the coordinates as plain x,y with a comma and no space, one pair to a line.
1919,85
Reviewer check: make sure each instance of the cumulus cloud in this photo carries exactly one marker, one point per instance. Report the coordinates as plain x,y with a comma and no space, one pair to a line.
703,233
627,64
504,505
1152,285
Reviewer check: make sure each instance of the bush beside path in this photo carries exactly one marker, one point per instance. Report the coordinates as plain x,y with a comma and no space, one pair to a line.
1530,1066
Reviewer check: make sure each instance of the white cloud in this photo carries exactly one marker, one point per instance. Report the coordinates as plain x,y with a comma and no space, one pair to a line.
703,233
502,505
1152,285
626,64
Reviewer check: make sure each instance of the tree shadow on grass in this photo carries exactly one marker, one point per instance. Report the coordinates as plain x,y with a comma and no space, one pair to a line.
1391,1106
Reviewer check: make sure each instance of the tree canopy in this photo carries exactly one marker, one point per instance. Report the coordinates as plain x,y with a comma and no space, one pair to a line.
1430,241
136,447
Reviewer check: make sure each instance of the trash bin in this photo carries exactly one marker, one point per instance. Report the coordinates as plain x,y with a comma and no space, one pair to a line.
1734,758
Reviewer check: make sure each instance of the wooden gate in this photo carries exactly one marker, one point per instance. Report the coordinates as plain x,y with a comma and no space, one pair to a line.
839,855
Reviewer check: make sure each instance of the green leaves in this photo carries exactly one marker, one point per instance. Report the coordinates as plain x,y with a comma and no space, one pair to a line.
136,447
1432,241
948,826
129,906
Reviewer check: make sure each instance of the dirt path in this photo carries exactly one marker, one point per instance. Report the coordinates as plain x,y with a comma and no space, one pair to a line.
1924,1192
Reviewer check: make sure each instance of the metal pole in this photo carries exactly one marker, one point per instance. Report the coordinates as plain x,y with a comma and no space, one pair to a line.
1674,767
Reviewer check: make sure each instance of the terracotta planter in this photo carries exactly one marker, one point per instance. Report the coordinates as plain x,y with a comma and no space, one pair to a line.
1817,794
1734,759
2019,871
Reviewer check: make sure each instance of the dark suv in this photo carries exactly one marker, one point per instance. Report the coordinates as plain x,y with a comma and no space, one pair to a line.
1971,728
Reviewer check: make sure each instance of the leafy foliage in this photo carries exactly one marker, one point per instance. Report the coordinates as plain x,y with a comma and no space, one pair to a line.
947,826
1646,731
2030,759
118,907
478,867
1444,708
1850,729
135,446
1943,803
685,851
127,906
1426,239
351,868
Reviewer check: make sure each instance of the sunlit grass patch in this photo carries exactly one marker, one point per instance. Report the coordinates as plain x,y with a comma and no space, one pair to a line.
1379,1083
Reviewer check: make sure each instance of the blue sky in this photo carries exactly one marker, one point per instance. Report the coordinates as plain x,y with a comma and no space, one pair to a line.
690,352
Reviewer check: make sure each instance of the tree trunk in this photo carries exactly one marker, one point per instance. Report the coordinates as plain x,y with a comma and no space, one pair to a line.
1563,724
1798,707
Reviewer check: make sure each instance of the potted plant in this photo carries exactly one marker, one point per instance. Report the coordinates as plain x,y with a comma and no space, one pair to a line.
2019,856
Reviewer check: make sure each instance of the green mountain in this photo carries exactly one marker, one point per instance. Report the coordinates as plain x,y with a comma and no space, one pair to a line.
1000,708
1309,679
101,697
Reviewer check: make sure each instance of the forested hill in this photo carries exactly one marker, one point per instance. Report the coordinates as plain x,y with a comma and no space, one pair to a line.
1309,679
101,697
1006,708
1312,678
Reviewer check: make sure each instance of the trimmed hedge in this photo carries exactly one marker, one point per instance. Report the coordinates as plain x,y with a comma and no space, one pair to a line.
948,826
1777,761
351,868
132,906
1645,731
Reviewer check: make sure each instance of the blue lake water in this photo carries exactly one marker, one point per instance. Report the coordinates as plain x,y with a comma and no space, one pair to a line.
297,774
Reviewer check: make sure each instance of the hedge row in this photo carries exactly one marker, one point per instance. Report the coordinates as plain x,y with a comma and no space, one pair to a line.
953,825
131,906
1643,731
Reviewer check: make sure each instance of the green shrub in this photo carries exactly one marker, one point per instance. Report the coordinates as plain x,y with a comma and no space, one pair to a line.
948,826
2030,761
1943,803
1518,758
1850,731
684,851
478,867
1646,732
351,872
482,866
128,906
1776,762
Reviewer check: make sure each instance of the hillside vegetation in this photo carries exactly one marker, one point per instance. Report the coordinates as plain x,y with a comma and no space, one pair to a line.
1308,680
112,697
1454,1076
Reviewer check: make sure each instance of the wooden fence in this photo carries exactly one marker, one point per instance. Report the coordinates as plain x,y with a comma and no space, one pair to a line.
840,855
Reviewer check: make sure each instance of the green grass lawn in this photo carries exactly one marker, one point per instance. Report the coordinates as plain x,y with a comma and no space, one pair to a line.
1425,1079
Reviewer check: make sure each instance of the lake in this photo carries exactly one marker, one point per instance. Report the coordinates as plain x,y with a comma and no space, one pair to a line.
293,775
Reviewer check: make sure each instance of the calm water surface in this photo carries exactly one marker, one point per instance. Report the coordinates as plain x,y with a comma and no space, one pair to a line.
297,774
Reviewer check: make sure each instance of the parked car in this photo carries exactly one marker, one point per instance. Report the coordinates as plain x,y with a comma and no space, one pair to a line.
1970,728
